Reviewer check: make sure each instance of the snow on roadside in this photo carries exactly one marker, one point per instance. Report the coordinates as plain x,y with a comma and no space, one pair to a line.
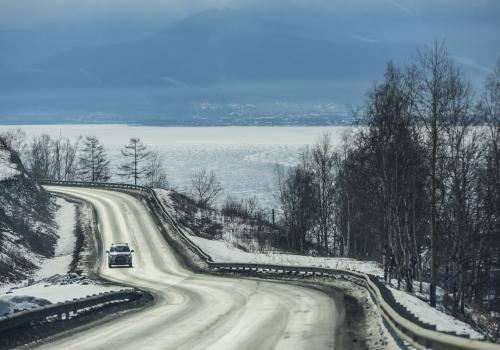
425,313
7,168
164,196
54,289
9,304
221,251
59,264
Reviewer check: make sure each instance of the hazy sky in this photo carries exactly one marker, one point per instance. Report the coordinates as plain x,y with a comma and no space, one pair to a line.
28,13
470,27
87,44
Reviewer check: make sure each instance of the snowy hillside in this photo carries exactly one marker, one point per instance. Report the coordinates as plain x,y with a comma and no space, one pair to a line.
7,168
54,278
28,232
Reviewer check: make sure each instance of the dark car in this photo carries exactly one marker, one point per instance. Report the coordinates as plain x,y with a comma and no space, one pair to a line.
119,254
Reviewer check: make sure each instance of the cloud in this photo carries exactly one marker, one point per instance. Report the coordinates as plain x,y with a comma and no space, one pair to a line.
363,38
472,64
399,4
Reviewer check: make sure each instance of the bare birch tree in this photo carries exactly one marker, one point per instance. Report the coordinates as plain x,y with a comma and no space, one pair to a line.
440,84
324,161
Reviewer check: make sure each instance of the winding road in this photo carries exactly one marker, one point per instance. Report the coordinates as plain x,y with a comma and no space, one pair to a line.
195,311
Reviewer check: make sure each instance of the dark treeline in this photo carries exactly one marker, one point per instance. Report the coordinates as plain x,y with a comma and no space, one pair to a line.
415,187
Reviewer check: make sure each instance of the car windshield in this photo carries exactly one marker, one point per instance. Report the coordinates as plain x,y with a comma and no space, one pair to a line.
120,248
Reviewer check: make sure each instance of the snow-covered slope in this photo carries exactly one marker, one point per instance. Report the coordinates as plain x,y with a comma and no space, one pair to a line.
65,218
8,169
51,281
28,231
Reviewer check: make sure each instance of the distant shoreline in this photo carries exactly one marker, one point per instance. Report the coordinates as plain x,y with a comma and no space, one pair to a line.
176,124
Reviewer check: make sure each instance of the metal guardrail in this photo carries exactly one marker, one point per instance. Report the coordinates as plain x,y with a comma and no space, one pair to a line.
418,335
25,317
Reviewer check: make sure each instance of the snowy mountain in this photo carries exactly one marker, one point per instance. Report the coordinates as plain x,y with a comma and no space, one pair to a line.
216,46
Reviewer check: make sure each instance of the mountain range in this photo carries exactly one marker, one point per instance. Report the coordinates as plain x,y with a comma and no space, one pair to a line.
136,71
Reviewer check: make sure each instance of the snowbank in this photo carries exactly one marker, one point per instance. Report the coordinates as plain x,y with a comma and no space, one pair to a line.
221,251
59,264
428,314
54,289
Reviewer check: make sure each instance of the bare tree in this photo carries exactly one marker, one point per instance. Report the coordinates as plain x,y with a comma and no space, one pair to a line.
69,164
298,202
206,187
488,243
323,162
40,157
93,161
135,155
155,175
489,109
15,140
440,95
343,202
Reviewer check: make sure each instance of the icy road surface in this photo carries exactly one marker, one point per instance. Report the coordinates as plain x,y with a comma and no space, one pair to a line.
196,311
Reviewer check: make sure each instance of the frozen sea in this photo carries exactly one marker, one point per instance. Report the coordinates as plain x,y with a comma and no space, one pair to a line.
244,158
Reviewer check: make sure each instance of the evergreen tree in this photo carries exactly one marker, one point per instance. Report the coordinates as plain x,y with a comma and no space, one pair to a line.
134,163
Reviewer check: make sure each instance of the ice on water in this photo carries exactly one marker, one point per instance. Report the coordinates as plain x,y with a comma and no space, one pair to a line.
244,158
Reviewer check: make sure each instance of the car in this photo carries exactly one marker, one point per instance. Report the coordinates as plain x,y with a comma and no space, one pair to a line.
119,254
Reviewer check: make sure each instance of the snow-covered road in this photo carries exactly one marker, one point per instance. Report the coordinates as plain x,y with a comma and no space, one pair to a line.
196,311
